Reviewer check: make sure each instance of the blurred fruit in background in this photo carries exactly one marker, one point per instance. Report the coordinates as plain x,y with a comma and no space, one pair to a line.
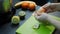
15,20
22,15
25,5
31,6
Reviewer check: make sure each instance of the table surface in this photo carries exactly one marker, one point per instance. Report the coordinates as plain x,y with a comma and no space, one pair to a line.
10,29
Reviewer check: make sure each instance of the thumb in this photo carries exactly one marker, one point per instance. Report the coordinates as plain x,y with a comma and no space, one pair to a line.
43,16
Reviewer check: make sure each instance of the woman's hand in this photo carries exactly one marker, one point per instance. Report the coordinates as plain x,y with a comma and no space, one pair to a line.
51,7
41,13
42,17
47,8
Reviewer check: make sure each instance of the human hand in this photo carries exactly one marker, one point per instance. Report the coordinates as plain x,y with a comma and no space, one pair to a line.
50,7
41,14
42,17
47,8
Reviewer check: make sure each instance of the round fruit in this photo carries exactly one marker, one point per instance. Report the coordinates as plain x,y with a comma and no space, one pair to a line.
22,15
25,5
31,6
15,20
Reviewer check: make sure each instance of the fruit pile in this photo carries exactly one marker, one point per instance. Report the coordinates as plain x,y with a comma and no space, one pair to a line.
16,19
26,5
21,15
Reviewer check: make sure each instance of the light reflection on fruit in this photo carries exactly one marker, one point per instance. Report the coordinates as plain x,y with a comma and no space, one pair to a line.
25,5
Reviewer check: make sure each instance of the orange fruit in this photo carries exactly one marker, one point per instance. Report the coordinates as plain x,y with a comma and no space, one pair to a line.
31,6
25,5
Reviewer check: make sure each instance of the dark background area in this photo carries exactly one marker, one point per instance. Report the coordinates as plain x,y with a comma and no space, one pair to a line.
8,28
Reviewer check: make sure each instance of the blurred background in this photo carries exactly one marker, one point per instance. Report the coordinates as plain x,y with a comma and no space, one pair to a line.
6,14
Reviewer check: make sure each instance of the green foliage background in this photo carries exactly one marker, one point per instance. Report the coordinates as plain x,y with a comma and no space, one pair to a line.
6,5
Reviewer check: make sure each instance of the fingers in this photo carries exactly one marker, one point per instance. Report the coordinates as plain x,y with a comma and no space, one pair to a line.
49,11
46,6
36,14
51,7
57,6
39,12
41,17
